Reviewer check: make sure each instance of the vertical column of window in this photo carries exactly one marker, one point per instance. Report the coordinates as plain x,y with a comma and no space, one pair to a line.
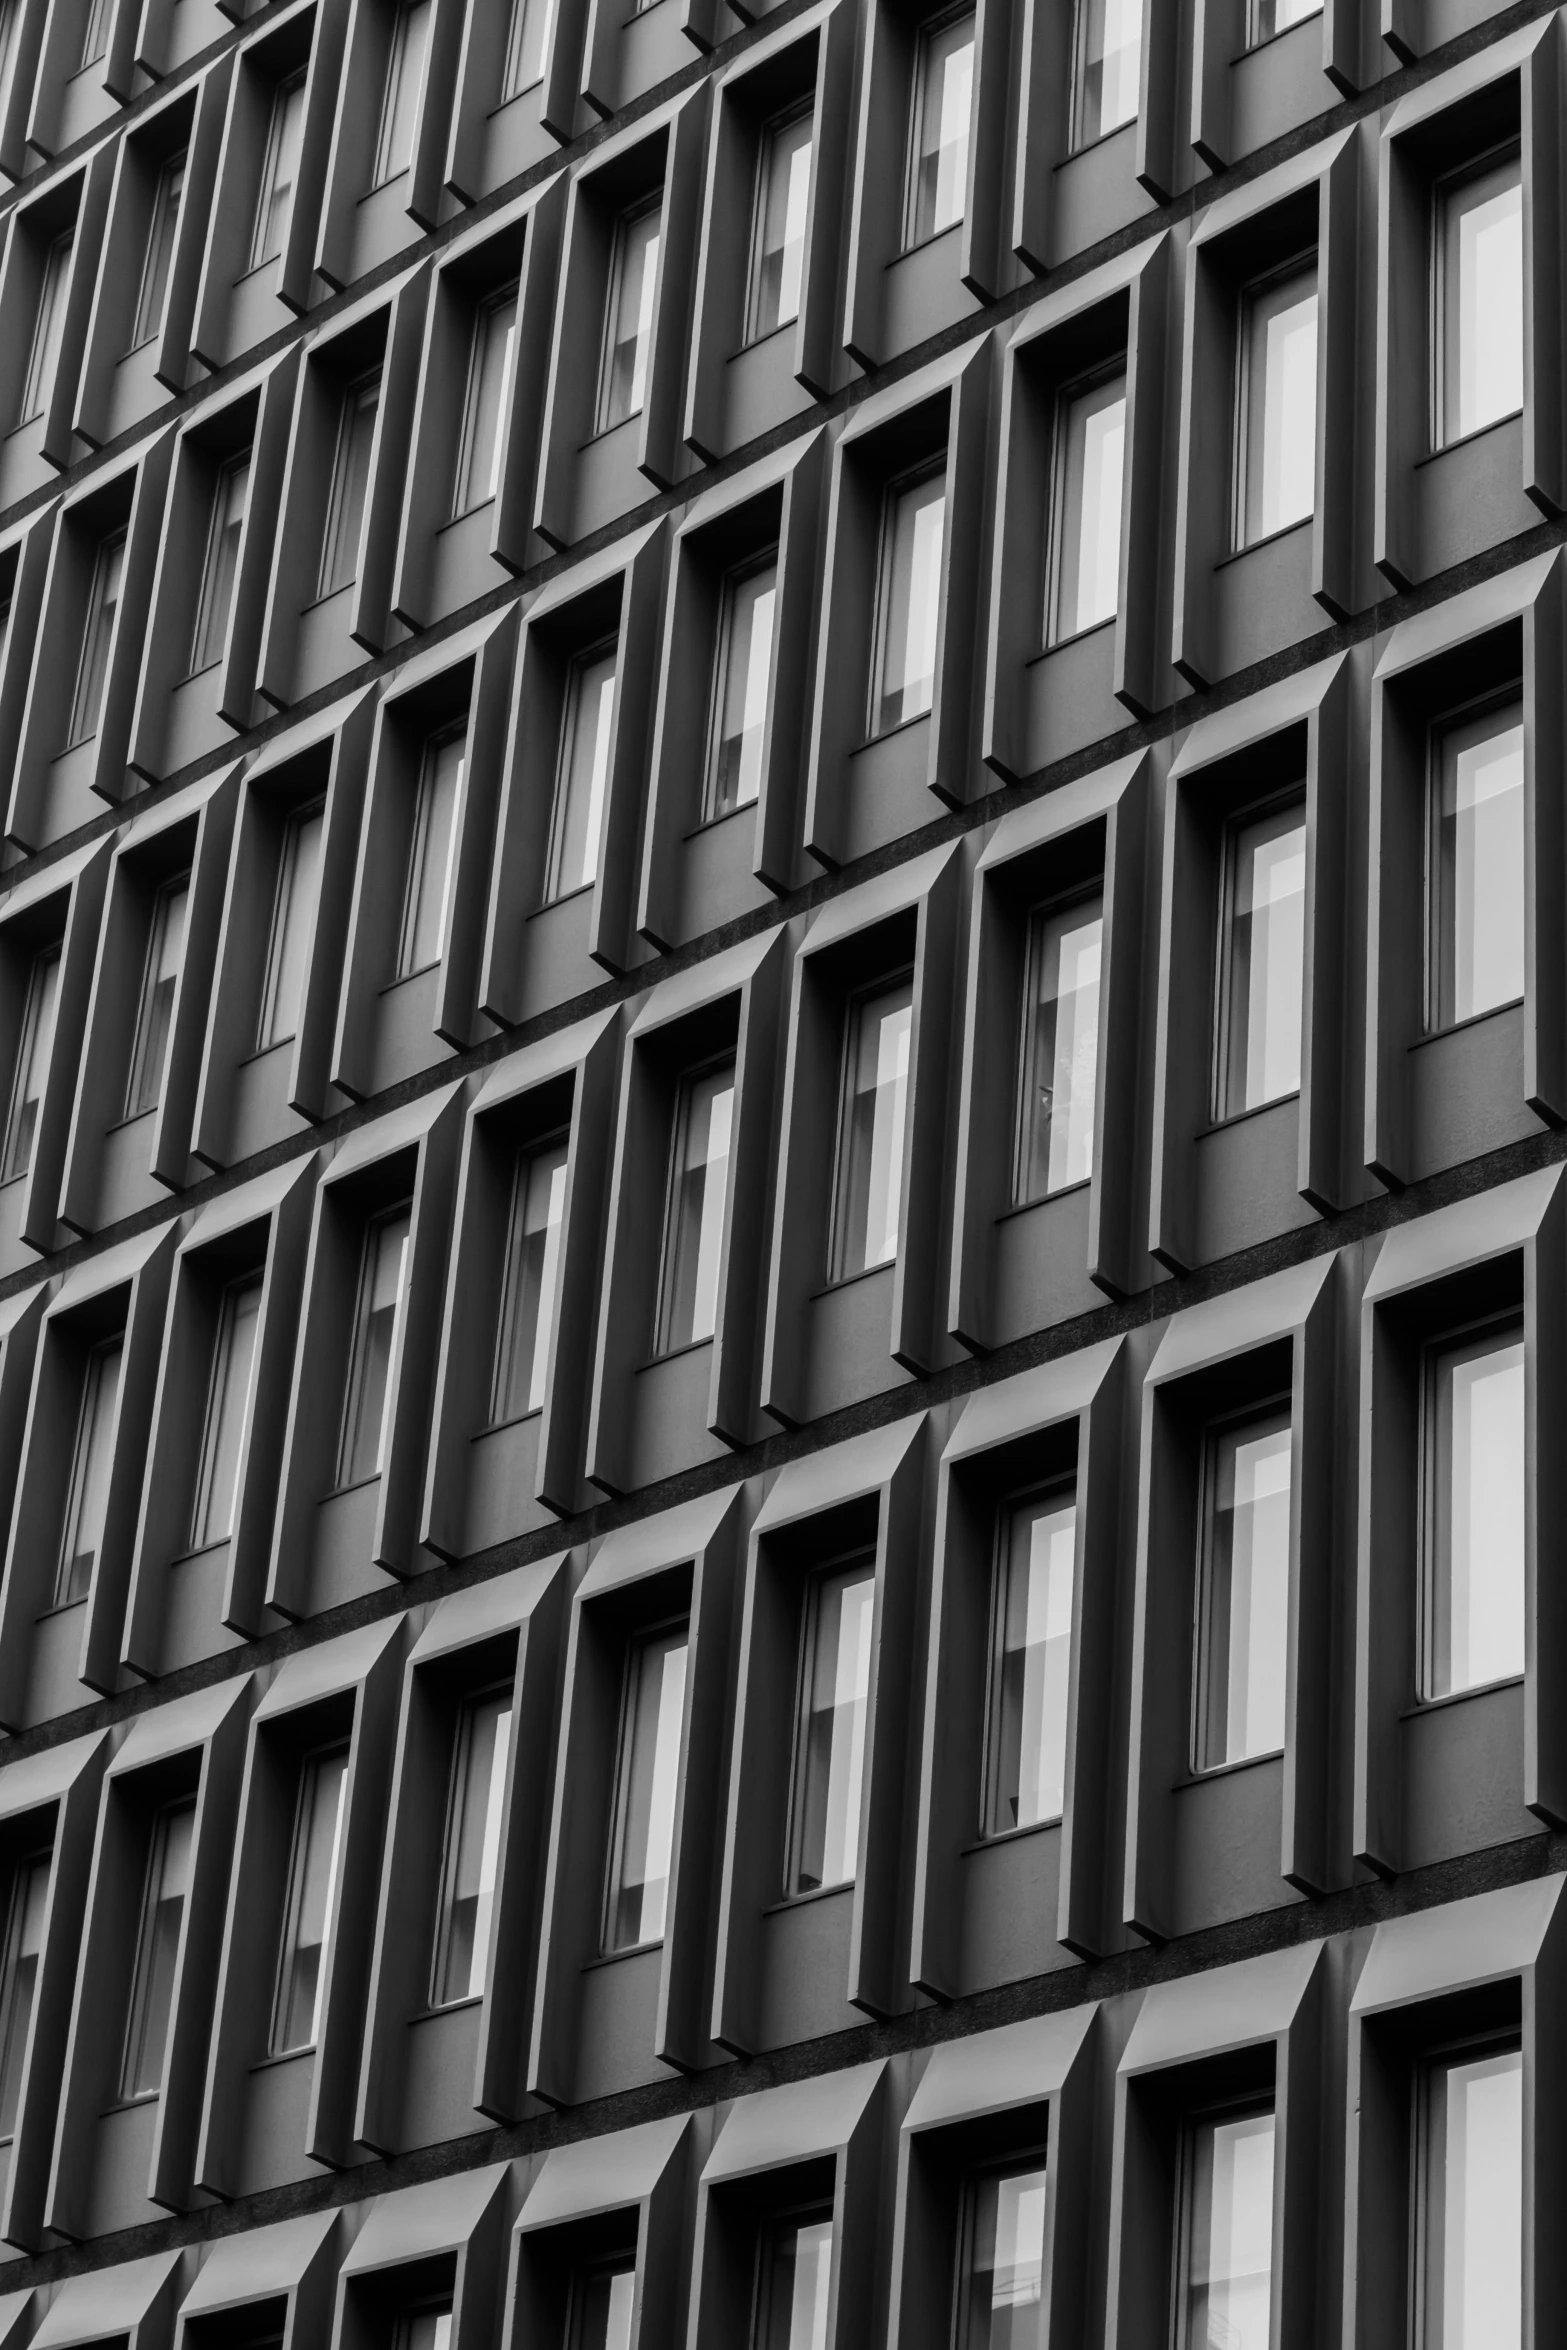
394,145
528,30
868,1191
1262,960
293,927
829,1772
425,2329
1471,1627
577,819
426,885
914,515
1031,1656
103,604
646,1783
1469,2229
165,1890
1108,67
694,1215
24,1937
628,317
601,2299
1059,1074
742,681
383,1275
1240,1681
350,485
153,296
1276,405
312,1893
471,1865
783,186
1225,2287
1001,2289
943,102
486,407
279,171
155,1008
1477,359
1272,17
32,1064
43,356
531,1284
1476,861
794,2276
1085,535
92,1459
227,1413
220,564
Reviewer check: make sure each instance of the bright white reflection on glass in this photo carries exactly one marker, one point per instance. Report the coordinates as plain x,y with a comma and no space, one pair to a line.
1474,1628
528,1297
1060,1068
577,823
527,38
648,1776
345,511
745,673
1478,868
796,2284
913,522
698,1193
1004,2278
1269,17
1473,2295
312,1889
152,300
228,1413
943,102
602,2300
1265,963
92,1463
1480,371
869,1203
783,191
1279,405
633,282
475,1802
165,1889
382,1275
830,1768
1229,2235
1243,1600
394,147
1032,1663
1090,447
1109,66
24,1939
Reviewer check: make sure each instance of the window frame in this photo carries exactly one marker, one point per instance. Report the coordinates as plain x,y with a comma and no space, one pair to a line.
1443,187
737,576
266,186
284,898
90,1425
146,1923
865,1556
629,216
371,1227
939,21
1440,728
1307,261
30,1028
1258,1414
219,1377
579,662
135,1104
353,399
114,543
1057,906
203,656
1243,2108
1235,822
665,1349
798,109
458,1775
1066,397
1009,1506
485,309
636,1642
163,229
1505,1325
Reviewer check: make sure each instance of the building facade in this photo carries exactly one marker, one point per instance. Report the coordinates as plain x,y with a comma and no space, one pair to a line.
783,1247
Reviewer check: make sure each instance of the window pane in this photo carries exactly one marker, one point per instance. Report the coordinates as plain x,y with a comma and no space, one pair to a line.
10,24
425,2329
34,1045
1267,950
404,81
1276,16
1033,1663
601,2306
839,1615
1004,2284
1482,301
489,380
103,604
279,171
95,33
157,1949
1244,1599
293,926
155,1013
423,936
1474,2217
527,38
383,1273
578,820
311,1892
473,1847
1060,1049
1478,867
698,1192
528,1300
944,90
350,485
1229,2283
796,2286
870,1144
1475,1607
228,1414
652,1714
222,564
92,1460
24,1936
912,527
1109,65
1090,447
1279,423
633,281
783,191
153,298
48,328
745,673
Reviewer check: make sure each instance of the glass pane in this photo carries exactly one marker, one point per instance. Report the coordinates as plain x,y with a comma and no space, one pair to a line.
32,1064
912,528
1276,16
1090,450
312,1889
350,485
870,1146
381,1280
222,564
839,1617
1244,1622
1279,426
745,651
157,1949
797,2286
784,191
1229,2285
404,82
423,937
48,329
698,1191
944,99
160,980
1267,960
103,604
1109,65
527,39
95,33
1060,1049
1482,300
1474,2219
489,380
24,1937
154,295
1004,2286
1475,1612
280,171
633,284
1033,1665
601,2305
92,1462
527,1323
228,1414
653,1712
293,927
473,1846
1479,868
578,822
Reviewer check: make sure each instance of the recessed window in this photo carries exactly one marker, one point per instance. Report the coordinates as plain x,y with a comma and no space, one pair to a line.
794,2280
345,513
829,1770
228,1413
1276,429
694,1216
744,678
485,409
868,1193
425,2329
628,325
43,357
165,1890
1243,1592
1090,446
427,882
914,516
1477,866
293,928
1226,2234
1059,1075
1031,1662
1477,369
577,819
155,1008
383,1273
647,1782
92,1461
1472,1630
279,170
103,605
10,19
153,298
783,187
24,1941
95,33
1264,959
532,1281
527,42
939,139
1003,2262
1109,66
34,1045
1271,17
1470,2229
394,146
603,2295
312,1889
220,567
471,1869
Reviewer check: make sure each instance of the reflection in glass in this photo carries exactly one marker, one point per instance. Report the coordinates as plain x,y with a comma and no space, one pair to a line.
427,880
24,1941
345,513
1003,2300
869,1204
34,1044
698,1192
648,1781
1474,1627
1278,423
484,411
228,1412
312,1888
1473,2297
43,356
577,820
783,191
153,298
1032,1663
795,2284
165,1890
92,1462
1060,1065
279,170
293,926
528,1298
1265,965
473,1844
830,1761
745,673
1109,66
103,606
383,1276
1479,372
1229,2235
628,336
1243,1597
155,1009
943,101
1090,447
1477,860
602,2300
913,521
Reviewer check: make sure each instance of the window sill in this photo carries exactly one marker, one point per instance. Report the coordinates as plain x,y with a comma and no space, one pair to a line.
616,1957
1465,440
1087,148
1269,538
1012,1835
924,244
1059,644
848,1280
25,424
133,1118
804,1900
1244,1117
188,1558
1026,1207
728,815
888,732
268,2064
1246,1762
64,1607
1456,1028
71,749
1439,1705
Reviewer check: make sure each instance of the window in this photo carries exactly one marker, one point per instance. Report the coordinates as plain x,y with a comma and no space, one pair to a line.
1476,855
1060,1063
48,330
1004,2262
422,938
1477,370
869,1188
312,1886
938,144
527,40
95,33
1243,1592
1270,17
10,17
1226,2233
425,2329
602,2297
484,412
103,605
473,1847
394,145
529,1295
152,300
1474,1510
1109,66
647,1777
1263,975
24,1941
694,1214
350,485
293,930
279,171
793,2282
92,1460
32,1064
165,1891
783,187
220,566
1470,2229
1031,1662
577,820
829,1769
1276,427
228,1410
155,1012
628,328
913,519
383,1271
1086,525
740,687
